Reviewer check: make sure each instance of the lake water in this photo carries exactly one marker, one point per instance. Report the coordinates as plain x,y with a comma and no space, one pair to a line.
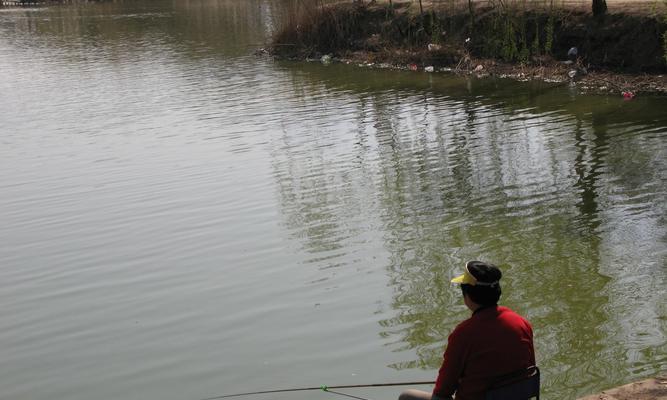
182,219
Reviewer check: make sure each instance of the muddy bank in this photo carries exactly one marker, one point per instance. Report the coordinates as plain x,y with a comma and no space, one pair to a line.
649,389
622,52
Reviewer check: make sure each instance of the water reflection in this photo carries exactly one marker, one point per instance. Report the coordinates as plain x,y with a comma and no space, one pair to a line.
524,177
220,160
194,27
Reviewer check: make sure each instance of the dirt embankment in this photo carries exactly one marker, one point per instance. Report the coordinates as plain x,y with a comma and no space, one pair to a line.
623,52
649,389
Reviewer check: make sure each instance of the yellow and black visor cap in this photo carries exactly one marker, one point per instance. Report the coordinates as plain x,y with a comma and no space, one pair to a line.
468,279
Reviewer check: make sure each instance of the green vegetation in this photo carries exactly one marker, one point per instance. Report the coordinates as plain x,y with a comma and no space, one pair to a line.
549,32
664,36
509,35
449,32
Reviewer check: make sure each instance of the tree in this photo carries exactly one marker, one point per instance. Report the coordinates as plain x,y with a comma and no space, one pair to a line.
599,7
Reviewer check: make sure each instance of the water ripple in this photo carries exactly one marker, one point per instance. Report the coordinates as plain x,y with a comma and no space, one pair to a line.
180,216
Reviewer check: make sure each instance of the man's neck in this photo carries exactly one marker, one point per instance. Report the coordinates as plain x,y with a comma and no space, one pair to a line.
480,308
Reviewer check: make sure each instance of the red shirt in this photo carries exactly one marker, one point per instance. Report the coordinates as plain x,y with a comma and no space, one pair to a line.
493,342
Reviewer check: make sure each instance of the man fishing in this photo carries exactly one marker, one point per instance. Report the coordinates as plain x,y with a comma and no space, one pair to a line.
495,341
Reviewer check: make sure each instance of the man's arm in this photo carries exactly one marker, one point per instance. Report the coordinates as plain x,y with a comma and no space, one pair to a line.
452,366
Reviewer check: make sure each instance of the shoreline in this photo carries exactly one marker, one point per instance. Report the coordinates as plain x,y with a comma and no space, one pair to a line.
648,389
380,36
594,82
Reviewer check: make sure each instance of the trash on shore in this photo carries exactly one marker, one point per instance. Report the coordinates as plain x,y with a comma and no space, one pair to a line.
390,35
586,81
572,54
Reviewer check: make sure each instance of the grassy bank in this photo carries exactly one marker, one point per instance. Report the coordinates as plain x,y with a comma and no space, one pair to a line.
465,35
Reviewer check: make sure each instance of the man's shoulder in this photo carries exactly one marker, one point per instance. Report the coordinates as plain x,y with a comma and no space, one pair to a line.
508,313
464,326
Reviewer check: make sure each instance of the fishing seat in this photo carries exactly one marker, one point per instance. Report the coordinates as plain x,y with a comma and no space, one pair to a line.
519,385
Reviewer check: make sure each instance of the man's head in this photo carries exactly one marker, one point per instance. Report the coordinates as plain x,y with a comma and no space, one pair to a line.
481,283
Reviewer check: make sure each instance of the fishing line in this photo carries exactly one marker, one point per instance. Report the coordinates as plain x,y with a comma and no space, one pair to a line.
345,394
324,388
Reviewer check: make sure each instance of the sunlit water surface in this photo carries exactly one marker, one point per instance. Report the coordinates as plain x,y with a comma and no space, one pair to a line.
182,219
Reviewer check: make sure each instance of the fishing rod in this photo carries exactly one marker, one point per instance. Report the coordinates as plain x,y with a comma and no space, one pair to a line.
323,388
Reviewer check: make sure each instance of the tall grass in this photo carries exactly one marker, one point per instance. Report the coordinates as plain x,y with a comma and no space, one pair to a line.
516,30
504,30
312,26
511,30
664,35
